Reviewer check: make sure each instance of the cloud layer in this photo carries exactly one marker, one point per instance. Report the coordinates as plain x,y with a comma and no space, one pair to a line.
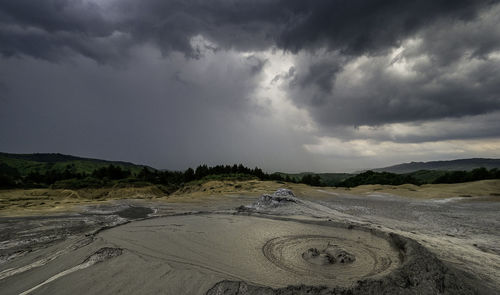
178,83
89,27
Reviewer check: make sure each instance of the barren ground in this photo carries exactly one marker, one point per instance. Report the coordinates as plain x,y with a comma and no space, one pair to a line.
97,241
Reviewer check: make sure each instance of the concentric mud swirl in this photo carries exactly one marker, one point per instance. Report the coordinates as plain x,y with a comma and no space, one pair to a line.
372,259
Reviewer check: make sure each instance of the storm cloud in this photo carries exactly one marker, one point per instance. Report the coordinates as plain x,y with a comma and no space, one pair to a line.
179,83
46,29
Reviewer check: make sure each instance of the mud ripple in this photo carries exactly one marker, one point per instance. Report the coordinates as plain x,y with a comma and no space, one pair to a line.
339,258
420,272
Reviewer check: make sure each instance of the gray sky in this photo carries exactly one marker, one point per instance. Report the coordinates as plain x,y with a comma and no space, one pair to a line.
288,85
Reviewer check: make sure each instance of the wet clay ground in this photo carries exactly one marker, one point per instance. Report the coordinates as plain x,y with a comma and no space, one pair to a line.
205,242
461,231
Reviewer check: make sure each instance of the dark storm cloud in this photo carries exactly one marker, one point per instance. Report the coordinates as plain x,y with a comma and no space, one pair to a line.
354,27
256,64
172,111
380,97
56,15
163,112
449,69
3,91
464,128
53,29
320,75
357,27
105,32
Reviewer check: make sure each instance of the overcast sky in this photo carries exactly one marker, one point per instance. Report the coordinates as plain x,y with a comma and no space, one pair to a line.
286,85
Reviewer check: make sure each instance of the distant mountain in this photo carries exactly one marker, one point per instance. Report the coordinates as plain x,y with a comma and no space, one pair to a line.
453,165
26,163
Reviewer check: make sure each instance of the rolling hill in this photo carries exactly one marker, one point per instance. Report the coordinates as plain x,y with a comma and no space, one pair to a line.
453,165
26,163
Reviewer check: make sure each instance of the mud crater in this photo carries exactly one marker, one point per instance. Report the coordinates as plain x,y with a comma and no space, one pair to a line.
331,254
342,259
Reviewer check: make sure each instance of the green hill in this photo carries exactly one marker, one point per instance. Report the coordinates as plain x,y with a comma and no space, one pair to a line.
70,172
453,165
41,163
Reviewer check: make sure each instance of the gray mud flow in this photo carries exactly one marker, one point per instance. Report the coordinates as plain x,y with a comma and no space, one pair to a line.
420,272
280,244
189,254
21,235
100,255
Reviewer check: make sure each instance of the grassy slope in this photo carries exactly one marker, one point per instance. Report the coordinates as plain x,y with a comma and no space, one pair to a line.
26,163
42,201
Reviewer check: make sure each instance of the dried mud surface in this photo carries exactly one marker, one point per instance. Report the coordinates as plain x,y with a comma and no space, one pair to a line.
420,272
275,244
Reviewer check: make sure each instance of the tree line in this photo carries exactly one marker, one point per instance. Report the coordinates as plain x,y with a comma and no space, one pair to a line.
116,175
387,178
466,176
112,175
384,178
